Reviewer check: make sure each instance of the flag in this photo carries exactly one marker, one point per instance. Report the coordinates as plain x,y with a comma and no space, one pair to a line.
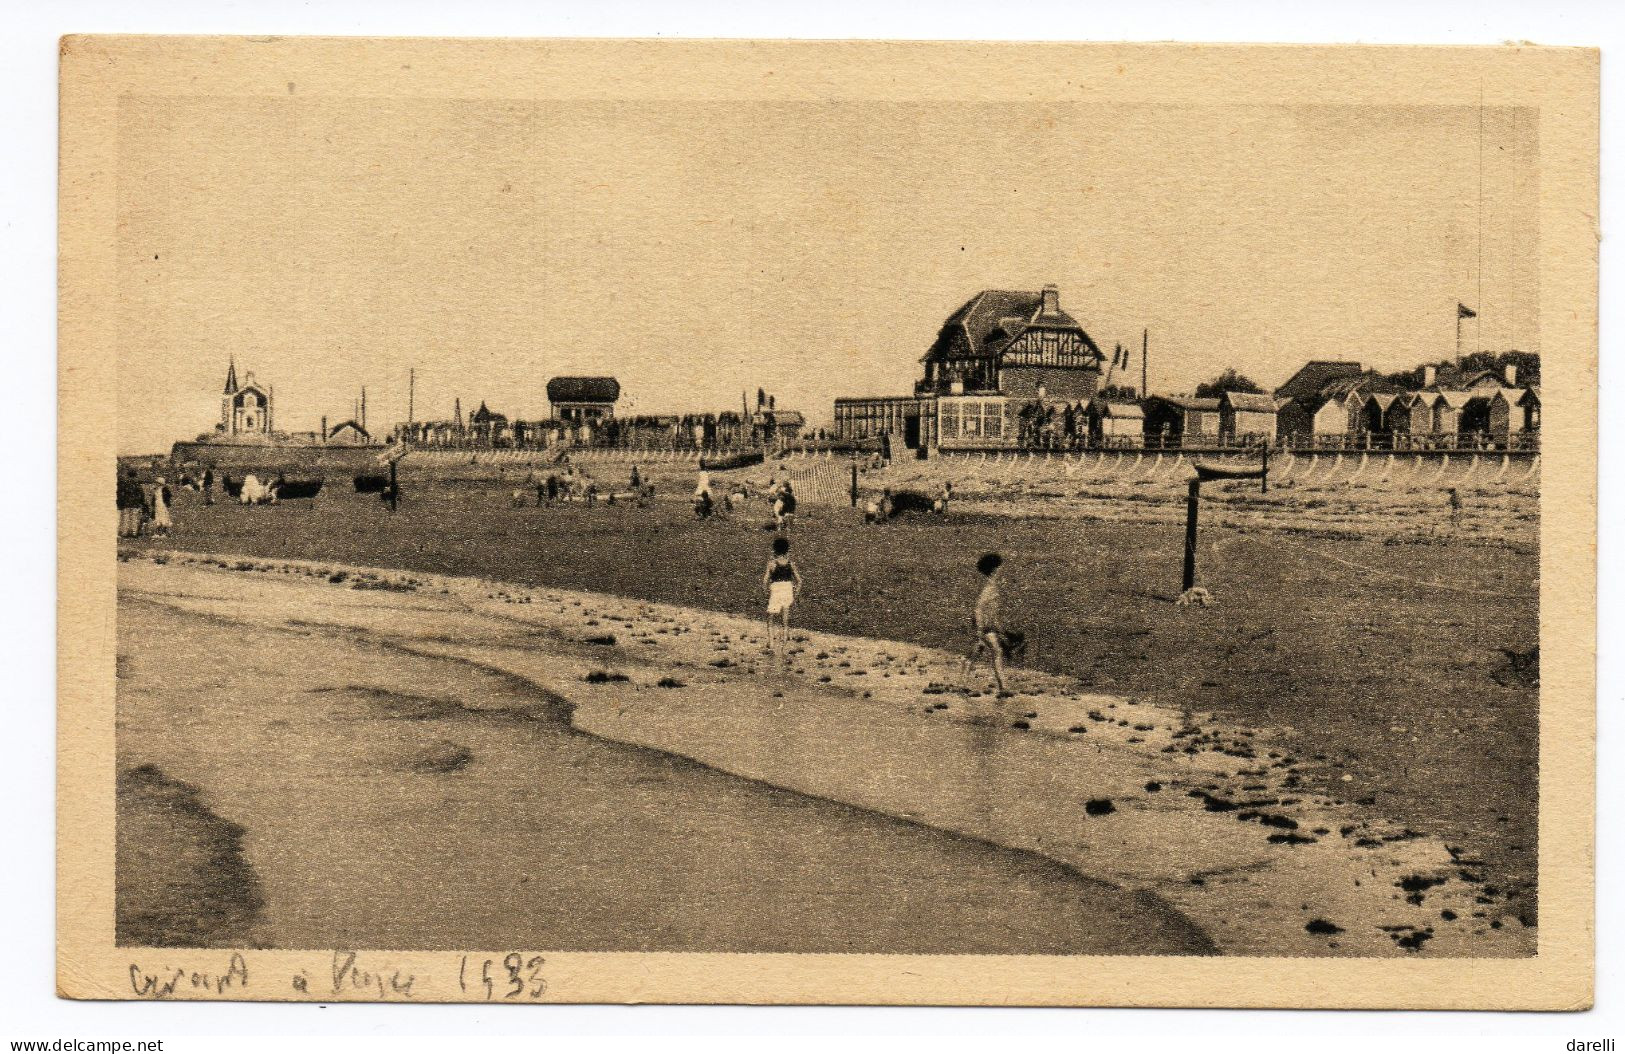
1463,311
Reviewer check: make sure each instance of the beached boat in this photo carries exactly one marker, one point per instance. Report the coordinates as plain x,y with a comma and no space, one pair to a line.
724,462
1209,470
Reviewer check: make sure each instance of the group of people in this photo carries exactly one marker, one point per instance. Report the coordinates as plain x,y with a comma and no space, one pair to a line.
783,583
883,507
138,506
780,493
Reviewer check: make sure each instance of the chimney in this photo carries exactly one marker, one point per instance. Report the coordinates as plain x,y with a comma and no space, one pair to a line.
1052,301
1430,376
1512,375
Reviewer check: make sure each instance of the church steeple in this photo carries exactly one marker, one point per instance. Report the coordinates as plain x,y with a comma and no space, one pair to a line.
231,377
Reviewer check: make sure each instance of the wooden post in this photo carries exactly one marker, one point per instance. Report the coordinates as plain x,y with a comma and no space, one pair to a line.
1264,478
1192,499
854,488
395,490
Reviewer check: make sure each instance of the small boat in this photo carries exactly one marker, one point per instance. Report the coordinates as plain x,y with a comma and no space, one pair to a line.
1208,470
743,459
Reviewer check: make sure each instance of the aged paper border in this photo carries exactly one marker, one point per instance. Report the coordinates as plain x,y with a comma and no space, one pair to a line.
1562,83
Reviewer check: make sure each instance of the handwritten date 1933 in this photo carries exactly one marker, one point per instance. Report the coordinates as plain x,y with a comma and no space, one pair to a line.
514,976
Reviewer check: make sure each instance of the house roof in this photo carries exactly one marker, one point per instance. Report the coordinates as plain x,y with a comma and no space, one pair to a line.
1126,410
1458,379
336,429
1250,402
1313,376
1512,395
994,319
780,418
1532,394
231,378
1187,402
1383,399
485,415
583,390
1453,399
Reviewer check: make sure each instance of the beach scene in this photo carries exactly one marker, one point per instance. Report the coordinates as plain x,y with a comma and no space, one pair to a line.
848,528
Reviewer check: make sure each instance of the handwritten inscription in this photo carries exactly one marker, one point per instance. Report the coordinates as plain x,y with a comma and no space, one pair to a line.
166,982
349,978
515,976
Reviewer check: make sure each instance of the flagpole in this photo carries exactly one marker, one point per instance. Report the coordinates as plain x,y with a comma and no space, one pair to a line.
1458,335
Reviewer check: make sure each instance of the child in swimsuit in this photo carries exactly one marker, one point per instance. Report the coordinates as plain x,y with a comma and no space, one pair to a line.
782,582
990,635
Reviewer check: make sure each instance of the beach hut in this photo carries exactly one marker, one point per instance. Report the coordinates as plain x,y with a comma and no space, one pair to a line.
1373,419
1246,416
1506,415
1410,418
1530,404
1116,423
1181,420
1447,410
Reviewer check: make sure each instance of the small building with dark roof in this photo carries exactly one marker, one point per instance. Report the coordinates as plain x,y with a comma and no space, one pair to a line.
577,400
1246,416
1116,422
1312,378
1181,420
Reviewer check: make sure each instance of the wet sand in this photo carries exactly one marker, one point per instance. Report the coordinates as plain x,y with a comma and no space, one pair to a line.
869,723
1400,678
395,800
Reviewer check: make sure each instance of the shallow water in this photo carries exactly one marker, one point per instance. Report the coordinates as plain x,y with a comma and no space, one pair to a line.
406,801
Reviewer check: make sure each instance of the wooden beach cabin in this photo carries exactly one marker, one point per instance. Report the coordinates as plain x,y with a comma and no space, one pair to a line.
1181,421
1116,423
1246,416
1530,404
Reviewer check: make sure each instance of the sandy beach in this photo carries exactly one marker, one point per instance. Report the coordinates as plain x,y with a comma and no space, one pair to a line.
531,720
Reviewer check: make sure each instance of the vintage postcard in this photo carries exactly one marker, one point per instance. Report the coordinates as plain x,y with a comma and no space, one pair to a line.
790,522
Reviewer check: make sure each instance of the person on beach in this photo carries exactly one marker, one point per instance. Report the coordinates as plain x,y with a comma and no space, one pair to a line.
161,497
208,486
990,635
132,505
940,506
784,507
1455,507
783,583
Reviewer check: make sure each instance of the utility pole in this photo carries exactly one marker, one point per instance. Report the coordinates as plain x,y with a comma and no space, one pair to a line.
411,397
1145,347
1193,498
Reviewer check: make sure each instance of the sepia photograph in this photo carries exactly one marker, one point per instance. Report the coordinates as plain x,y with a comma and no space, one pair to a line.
569,517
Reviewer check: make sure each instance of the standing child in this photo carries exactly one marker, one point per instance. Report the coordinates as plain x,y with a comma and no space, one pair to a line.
783,582
784,507
990,636
162,496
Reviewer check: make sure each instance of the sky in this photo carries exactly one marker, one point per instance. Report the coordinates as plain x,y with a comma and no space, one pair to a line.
695,250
